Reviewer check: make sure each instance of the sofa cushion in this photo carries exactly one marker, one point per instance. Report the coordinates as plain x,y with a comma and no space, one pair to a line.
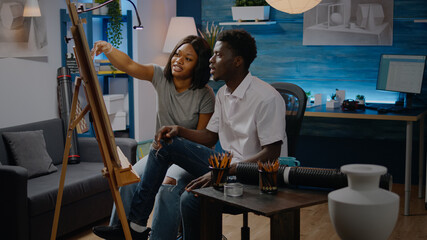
81,181
28,150
53,135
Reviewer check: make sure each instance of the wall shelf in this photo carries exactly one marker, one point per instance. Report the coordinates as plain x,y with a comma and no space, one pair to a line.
247,23
110,72
104,77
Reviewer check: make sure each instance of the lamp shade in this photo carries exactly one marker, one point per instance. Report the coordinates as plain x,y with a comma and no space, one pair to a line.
32,9
179,27
293,6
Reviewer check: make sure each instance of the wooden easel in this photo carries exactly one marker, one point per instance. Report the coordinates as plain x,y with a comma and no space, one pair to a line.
117,168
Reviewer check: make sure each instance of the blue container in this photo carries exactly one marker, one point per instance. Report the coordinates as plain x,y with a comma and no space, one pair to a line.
290,161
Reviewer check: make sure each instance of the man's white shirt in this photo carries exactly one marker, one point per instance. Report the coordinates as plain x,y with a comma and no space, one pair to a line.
254,115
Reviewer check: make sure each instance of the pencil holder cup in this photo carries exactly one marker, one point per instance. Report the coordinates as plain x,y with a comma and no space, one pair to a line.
219,177
268,182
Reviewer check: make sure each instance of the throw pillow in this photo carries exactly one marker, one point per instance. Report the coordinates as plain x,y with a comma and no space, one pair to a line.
29,151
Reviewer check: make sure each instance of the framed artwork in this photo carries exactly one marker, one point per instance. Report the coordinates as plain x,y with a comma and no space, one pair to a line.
349,22
21,36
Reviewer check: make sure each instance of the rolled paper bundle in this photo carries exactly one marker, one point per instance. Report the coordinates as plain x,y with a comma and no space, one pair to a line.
247,173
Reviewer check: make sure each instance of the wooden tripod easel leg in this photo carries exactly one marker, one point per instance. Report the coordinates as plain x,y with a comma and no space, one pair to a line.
65,158
114,188
119,207
111,180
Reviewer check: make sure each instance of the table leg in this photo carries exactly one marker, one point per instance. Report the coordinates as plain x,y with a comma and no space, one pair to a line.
245,231
408,166
421,160
285,226
211,219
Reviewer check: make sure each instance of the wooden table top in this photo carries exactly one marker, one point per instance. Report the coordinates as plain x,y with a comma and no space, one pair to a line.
265,204
412,115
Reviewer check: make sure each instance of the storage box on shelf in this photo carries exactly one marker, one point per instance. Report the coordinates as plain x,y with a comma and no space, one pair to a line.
118,121
114,103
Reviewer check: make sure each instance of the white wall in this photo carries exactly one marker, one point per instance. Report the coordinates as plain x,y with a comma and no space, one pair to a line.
28,86
155,16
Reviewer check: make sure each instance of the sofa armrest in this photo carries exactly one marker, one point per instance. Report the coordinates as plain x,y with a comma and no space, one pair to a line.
89,150
13,203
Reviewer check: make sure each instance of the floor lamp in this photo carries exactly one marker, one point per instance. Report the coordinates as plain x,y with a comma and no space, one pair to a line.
32,10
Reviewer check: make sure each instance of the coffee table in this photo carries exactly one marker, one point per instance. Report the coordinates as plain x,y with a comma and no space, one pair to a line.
283,209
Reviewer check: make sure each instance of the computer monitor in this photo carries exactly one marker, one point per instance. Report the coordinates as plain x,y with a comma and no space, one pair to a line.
401,73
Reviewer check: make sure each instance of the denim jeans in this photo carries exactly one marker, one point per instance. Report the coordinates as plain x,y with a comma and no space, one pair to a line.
190,210
191,156
166,213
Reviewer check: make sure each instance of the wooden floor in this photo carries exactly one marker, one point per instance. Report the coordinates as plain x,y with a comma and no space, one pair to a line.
315,223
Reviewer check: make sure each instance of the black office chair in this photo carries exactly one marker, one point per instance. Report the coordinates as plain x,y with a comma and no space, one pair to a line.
296,102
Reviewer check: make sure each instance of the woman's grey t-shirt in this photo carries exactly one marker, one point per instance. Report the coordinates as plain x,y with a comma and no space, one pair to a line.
183,108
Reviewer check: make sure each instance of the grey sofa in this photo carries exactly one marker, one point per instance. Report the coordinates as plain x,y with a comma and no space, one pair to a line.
27,205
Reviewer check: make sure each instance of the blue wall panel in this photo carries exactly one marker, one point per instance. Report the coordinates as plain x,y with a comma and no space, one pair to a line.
190,8
322,69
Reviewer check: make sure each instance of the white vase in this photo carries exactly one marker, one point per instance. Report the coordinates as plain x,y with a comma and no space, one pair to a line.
363,210
346,11
333,104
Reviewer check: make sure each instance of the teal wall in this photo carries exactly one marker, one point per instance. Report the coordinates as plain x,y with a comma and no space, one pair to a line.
190,8
322,69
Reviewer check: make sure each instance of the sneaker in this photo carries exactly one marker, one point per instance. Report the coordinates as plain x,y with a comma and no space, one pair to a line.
116,233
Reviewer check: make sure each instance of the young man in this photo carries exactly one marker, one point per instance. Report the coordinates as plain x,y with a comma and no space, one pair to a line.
249,121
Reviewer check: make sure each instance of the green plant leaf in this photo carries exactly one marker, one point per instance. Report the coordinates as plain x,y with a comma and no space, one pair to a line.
210,34
114,29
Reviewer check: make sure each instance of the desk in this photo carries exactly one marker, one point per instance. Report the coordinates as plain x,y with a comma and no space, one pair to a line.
409,117
283,209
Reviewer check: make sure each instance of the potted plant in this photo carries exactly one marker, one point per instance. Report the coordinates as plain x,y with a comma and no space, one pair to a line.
360,99
114,29
333,103
245,10
308,94
210,34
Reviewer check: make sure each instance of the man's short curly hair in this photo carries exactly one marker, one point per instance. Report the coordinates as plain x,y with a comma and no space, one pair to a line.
241,43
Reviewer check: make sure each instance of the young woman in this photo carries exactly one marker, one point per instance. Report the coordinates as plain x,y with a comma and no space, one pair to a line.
183,99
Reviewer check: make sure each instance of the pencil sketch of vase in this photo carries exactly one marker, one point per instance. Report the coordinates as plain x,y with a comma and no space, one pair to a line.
349,22
346,5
